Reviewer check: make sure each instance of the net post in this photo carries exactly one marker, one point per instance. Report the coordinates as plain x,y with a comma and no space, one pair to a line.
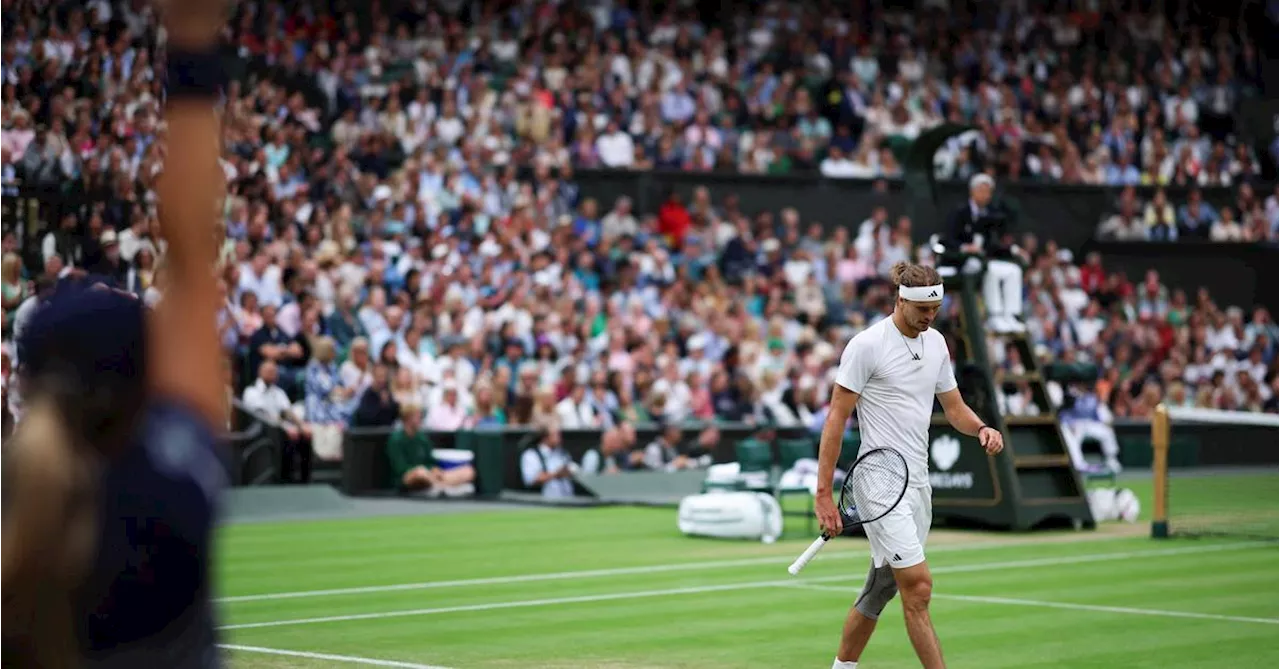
1160,472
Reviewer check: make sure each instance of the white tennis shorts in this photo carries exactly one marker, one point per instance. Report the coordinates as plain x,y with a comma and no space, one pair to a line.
898,539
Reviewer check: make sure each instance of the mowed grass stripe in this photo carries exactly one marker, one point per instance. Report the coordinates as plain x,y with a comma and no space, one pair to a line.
774,628
1070,606
1175,582
1003,635
250,580
720,630
771,629
1020,565
257,620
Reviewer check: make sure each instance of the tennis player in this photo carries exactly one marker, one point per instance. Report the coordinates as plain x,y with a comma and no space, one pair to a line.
891,372
113,475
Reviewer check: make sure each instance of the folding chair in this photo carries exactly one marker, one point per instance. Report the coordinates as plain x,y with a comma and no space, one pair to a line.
755,457
789,452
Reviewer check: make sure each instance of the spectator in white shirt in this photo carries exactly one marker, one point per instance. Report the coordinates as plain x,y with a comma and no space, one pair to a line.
266,399
615,147
387,326
357,371
679,398
269,401
575,412
837,165
1226,229
620,221
262,278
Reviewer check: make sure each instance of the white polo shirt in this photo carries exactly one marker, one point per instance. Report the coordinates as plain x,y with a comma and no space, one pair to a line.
896,390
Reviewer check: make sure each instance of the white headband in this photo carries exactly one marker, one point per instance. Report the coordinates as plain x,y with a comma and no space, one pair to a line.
920,293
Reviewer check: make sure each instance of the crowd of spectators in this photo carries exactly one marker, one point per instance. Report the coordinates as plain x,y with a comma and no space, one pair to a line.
1149,343
403,228
1097,93
1250,217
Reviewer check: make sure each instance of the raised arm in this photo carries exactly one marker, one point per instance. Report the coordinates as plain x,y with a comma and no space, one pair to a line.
185,345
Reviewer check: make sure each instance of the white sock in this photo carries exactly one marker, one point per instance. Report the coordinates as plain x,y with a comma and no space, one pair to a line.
843,665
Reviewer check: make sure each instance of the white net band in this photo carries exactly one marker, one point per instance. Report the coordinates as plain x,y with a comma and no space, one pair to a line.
1214,416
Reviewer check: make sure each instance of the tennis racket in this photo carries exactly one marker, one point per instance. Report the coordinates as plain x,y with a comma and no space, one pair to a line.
873,486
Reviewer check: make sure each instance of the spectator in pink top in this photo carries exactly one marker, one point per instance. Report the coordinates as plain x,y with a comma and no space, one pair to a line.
449,415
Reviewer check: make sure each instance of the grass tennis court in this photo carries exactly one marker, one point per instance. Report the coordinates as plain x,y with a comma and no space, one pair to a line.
620,588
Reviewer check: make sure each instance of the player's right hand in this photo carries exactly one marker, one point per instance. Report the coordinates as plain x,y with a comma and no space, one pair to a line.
828,516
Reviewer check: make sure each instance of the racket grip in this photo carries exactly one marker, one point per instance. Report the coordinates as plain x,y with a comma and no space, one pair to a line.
807,555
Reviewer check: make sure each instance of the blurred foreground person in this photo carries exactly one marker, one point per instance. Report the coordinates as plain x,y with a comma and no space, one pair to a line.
113,475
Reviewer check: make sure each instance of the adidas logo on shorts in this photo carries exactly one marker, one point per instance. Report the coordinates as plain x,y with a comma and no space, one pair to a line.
897,558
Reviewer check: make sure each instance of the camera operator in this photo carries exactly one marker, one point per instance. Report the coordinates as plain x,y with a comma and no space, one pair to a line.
980,228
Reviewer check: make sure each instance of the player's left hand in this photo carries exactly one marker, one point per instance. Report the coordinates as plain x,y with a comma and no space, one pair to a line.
991,439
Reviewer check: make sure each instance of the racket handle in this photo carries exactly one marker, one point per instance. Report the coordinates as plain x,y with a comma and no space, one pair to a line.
808,554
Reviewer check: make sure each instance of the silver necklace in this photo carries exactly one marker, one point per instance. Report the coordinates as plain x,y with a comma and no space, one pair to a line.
914,355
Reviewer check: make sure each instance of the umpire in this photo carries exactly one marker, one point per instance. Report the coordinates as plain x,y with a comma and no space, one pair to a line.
978,228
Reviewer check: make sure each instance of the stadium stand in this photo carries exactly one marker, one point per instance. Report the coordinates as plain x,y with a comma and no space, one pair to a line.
402,180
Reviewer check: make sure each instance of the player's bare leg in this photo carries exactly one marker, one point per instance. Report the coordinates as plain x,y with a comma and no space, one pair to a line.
857,632
916,585
877,591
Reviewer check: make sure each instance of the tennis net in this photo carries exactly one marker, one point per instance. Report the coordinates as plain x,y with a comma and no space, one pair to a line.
1238,497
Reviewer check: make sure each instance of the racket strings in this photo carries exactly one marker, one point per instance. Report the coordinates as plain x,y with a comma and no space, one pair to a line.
874,486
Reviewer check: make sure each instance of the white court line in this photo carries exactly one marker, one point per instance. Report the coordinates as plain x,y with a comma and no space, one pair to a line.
491,606
596,573
1062,605
367,661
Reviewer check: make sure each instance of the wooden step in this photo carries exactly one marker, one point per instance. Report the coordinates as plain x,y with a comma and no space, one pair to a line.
1016,421
1029,377
1041,461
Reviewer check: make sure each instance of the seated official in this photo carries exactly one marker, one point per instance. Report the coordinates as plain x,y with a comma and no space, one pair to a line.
547,466
616,453
414,469
978,228
267,399
663,454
